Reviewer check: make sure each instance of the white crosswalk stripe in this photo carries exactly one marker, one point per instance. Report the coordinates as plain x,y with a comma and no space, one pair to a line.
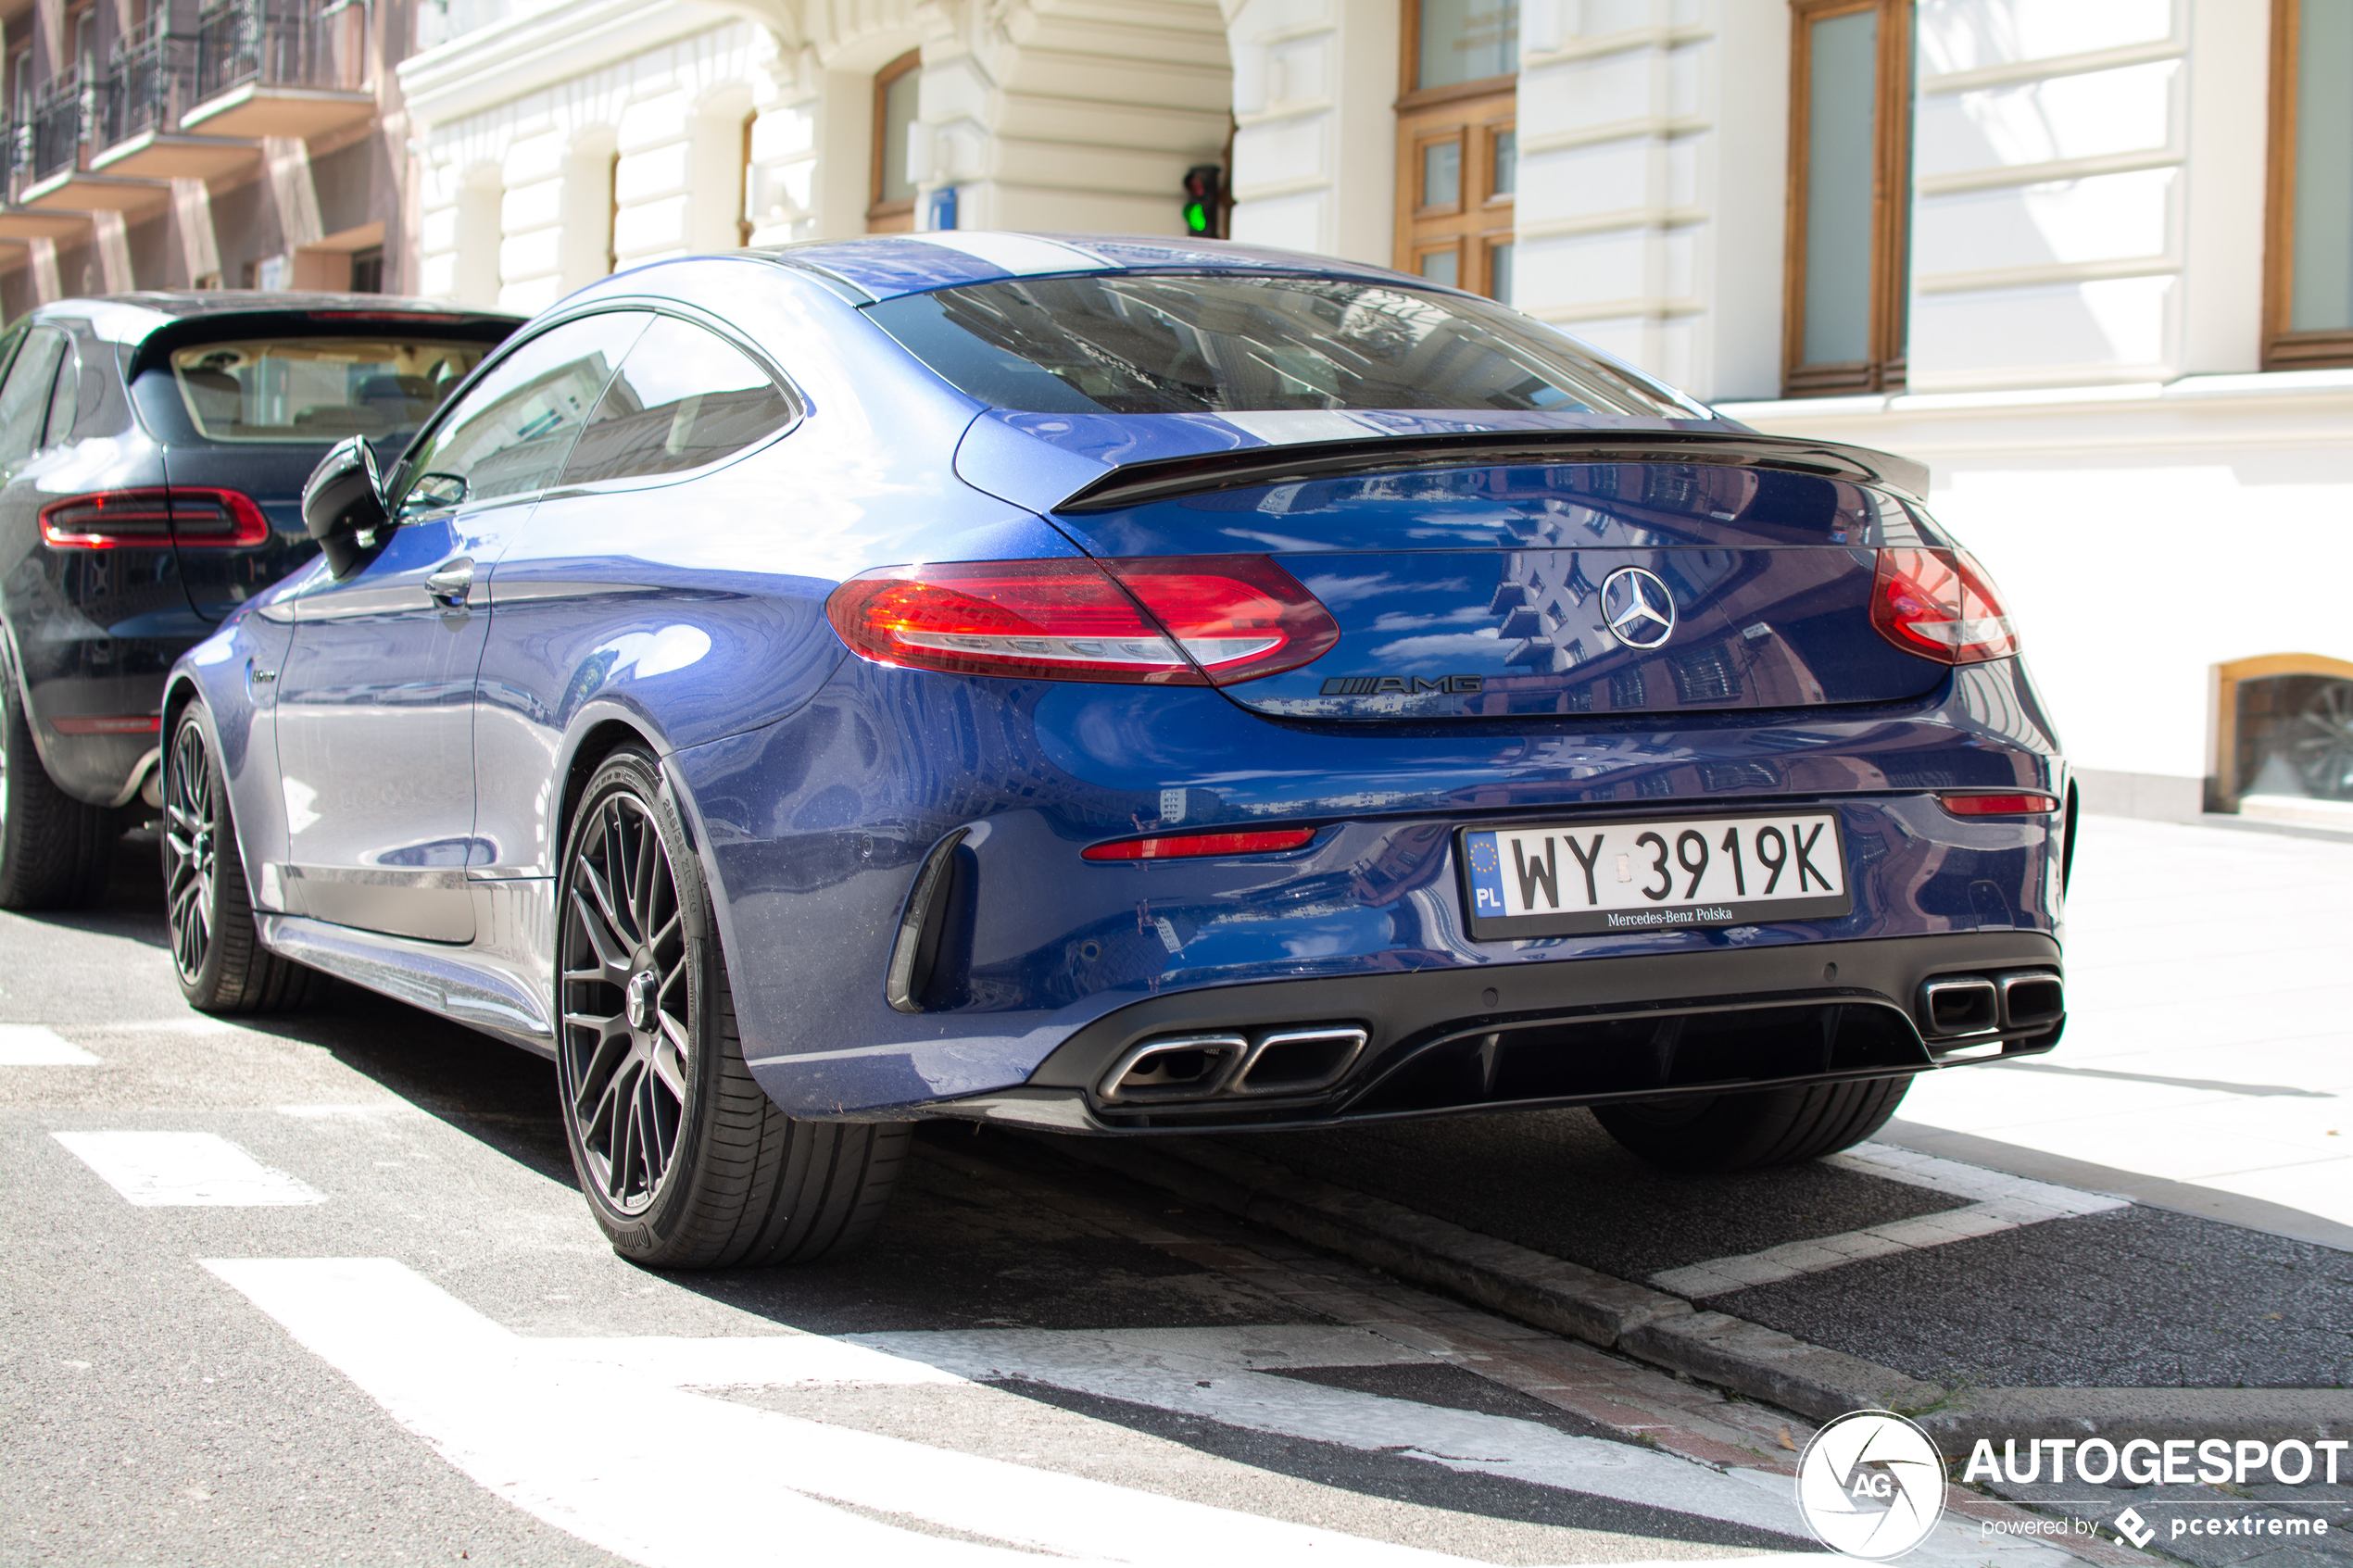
31,1045
681,1480
184,1170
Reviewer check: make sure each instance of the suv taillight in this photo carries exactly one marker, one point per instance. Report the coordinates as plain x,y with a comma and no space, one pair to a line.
1159,620
1940,605
119,519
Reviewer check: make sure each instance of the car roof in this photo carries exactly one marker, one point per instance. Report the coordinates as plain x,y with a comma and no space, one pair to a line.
885,266
132,317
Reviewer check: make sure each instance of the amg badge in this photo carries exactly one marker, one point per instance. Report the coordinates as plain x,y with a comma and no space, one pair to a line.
1412,686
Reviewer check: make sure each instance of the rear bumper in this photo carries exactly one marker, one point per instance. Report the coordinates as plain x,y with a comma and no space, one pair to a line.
1442,1041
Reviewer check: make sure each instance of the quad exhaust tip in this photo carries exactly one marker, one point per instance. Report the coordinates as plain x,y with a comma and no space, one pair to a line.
2010,1001
1297,1060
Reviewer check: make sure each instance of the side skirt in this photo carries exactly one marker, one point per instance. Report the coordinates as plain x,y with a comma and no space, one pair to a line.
500,985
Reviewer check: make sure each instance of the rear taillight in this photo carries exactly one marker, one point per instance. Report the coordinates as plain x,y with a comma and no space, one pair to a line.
1940,605
131,520
1179,621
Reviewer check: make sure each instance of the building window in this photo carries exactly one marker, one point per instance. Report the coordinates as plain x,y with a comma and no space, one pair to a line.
890,207
2284,737
1457,145
2308,285
1849,195
368,270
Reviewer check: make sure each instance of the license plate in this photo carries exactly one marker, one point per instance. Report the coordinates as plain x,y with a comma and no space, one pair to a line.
1565,878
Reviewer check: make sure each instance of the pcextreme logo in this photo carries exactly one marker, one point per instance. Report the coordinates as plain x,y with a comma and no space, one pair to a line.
1871,1484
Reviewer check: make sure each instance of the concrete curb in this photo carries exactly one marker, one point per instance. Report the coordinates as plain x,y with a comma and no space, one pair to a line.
2159,1414
1667,1331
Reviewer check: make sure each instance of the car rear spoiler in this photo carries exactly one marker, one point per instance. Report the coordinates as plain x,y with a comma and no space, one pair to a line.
1162,479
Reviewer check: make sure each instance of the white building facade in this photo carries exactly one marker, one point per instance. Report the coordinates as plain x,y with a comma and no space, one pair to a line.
2091,260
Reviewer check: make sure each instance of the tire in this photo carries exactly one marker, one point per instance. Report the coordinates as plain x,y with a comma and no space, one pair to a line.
684,1161
55,852
215,952
1744,1131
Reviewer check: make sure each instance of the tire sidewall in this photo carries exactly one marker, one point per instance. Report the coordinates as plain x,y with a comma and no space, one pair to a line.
204,988
646,1235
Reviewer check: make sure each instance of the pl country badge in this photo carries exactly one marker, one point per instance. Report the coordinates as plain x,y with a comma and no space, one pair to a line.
1871,1484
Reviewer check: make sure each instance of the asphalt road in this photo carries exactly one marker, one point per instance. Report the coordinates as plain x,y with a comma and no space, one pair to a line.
319,1289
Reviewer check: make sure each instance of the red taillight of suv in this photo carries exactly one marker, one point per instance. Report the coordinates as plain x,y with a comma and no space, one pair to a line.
1940,605
119,519
1159,620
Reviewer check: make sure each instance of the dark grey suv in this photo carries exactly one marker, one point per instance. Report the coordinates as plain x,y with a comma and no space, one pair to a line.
152,452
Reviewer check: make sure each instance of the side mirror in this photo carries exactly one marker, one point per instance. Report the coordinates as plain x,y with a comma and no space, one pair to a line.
342,505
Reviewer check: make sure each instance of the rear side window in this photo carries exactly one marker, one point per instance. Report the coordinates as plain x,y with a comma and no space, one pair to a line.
24,397
317,389
684,398
513,429
1218,342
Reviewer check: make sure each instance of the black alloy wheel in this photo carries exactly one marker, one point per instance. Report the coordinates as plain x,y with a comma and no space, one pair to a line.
190,857
684,1161
217,953
628,1004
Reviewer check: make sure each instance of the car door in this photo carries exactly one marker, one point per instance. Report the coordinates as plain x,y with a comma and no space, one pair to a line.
613,584
375,701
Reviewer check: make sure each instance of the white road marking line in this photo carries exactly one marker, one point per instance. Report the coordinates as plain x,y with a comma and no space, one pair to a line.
1130,1367
182,1169
2004,1202
679,1480
31,1044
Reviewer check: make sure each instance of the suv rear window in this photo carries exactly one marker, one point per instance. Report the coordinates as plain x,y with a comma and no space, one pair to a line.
1217,342
317,389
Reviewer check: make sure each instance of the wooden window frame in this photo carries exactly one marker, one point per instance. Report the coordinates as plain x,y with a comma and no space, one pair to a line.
1482,217
1409,69
878,209
744,222
2284,348
1884,370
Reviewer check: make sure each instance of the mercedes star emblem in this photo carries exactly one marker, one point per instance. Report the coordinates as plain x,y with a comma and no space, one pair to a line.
1637,608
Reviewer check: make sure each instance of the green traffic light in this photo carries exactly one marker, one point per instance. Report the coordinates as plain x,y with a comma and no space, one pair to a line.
1196,217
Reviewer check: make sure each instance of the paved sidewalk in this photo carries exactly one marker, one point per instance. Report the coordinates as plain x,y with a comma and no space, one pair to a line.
2207,1064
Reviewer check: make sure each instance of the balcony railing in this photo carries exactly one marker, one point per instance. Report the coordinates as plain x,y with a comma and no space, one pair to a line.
282,44
50,142
152,79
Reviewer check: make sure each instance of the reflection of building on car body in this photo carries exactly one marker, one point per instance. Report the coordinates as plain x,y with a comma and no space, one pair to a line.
1121,687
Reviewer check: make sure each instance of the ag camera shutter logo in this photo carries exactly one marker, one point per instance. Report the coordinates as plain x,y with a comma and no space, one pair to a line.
1871,1484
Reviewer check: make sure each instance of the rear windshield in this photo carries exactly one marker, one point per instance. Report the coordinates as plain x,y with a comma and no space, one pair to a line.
1219,342
317,389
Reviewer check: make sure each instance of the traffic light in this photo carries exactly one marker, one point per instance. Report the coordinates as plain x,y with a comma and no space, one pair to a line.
1201,200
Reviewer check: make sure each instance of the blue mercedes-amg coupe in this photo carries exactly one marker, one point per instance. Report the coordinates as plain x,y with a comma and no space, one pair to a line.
1116,686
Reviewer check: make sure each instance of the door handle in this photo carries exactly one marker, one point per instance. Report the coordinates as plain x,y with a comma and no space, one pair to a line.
449,586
